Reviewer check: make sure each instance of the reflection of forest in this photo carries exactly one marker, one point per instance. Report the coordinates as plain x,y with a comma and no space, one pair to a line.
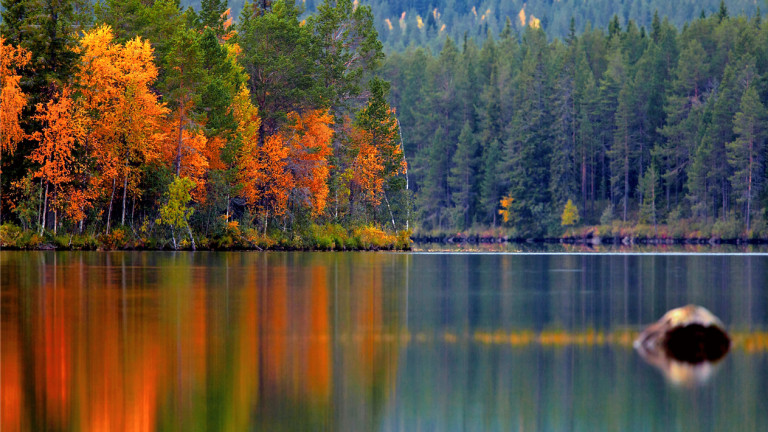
237,341
98,342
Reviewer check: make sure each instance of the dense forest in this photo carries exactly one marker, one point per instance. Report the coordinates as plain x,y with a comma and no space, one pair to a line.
187,127
402,23
627,124
181,125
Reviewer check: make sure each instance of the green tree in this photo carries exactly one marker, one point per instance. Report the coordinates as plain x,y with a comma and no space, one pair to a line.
176,211
280,58
747,152
378,121
347,47
648,187
462,176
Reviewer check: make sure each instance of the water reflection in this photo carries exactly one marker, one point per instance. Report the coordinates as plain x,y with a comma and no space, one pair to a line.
337,341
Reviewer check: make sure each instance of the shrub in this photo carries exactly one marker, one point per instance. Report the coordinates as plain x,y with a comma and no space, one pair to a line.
730,228
254,238
374,238
84,241
403,241
10,235
117,239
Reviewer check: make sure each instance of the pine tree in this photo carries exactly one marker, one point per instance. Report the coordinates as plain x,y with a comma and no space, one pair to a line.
462,176
746,154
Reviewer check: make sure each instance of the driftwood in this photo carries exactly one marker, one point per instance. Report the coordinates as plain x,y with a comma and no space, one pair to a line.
684,344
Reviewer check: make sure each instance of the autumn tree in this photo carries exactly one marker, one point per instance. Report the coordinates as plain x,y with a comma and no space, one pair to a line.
123,113
309,140
264,177
570,214
262,170
379,162
55,155
12,101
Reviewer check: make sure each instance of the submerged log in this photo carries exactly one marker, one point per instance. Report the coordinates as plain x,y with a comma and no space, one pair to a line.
690,333
684,344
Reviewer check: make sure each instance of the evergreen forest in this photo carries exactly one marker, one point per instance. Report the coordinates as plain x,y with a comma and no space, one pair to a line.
427,23
626,124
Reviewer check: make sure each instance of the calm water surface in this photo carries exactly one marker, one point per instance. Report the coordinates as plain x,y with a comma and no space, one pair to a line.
371,341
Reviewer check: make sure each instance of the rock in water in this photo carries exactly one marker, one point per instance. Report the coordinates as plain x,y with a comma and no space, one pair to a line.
684,344
689,334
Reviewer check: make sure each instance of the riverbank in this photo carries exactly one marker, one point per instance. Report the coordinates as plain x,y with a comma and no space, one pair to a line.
327,237
616,234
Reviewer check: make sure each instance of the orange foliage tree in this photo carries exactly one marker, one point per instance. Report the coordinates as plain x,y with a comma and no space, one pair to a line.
123,114
61,131
309,141
12,100
194,151
262,171
378,159
367,168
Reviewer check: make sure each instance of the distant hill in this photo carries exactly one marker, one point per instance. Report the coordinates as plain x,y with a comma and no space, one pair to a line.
427,22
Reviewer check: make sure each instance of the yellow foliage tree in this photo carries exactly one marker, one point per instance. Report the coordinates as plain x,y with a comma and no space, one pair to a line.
570,214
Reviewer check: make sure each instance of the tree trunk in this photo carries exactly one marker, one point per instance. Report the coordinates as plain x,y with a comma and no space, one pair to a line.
626,180
45,209
392,216
407,181
1,190
583,185
40,205
191,238
109,211
178,150
749,188
125,193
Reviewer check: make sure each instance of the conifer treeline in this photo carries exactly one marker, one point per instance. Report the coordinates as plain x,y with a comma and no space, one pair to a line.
650,126
143,115
427,23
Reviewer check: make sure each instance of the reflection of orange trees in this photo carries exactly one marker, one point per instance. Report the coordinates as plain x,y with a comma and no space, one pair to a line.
297,348
751,342
318,370
93,365
12,394
105,352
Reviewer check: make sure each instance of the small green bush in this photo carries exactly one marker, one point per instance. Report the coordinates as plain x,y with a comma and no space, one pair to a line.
403,241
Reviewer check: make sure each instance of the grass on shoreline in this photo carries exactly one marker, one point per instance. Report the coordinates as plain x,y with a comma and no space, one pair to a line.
681,231
328,237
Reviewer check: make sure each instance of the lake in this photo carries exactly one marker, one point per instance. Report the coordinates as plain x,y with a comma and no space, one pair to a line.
372,341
